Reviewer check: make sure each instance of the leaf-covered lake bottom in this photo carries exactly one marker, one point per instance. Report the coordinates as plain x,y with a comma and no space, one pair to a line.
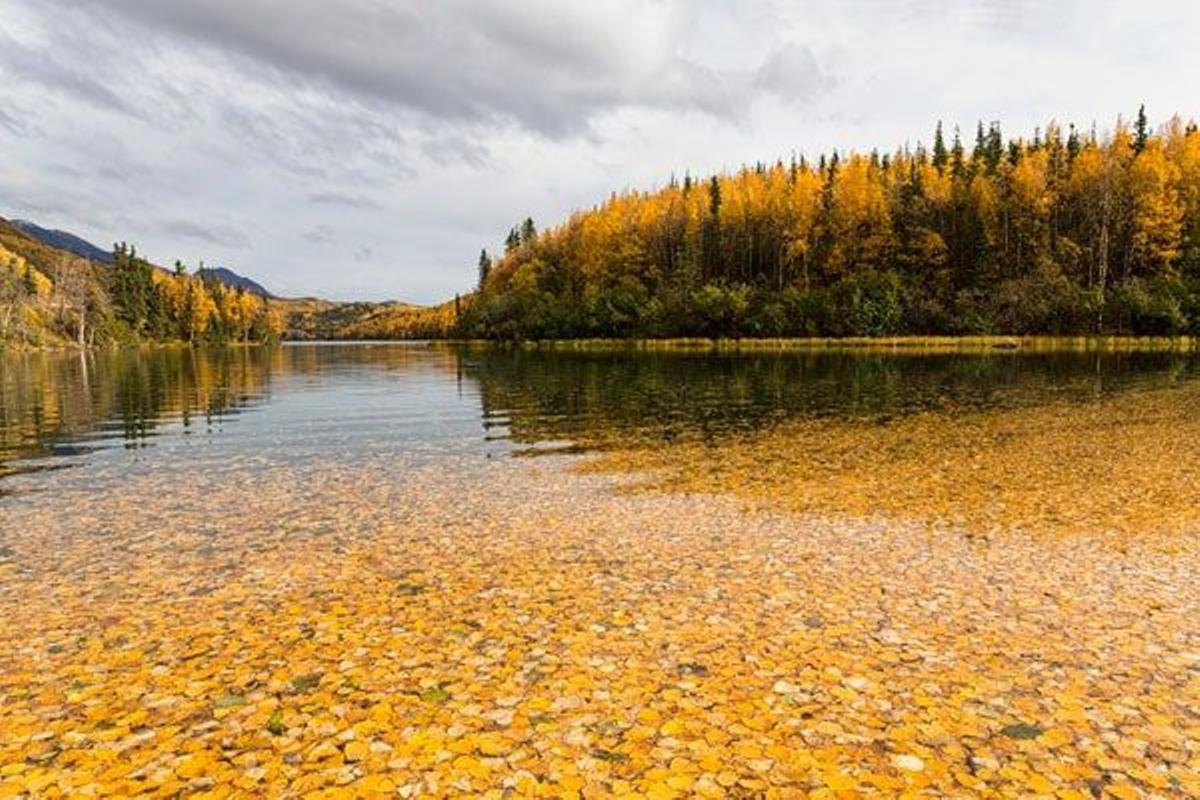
995,602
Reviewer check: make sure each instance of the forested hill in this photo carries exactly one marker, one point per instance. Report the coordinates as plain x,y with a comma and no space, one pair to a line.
1057,232
52,296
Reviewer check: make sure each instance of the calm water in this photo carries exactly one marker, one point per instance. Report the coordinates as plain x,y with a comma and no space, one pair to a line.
95,417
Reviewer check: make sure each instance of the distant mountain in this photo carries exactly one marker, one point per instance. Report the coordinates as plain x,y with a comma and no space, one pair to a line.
63,241
233,280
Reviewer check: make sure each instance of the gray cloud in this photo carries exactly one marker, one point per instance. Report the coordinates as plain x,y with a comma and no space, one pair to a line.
548,67
791,72
322,234
48,68
403,135
220,235
330,198
15,125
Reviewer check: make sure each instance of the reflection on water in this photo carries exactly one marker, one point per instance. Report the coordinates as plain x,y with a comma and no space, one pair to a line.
71,404
607,398
345,401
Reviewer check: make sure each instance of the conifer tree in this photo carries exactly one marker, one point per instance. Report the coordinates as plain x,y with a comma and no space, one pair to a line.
1141,132
485,267
940,156
528,231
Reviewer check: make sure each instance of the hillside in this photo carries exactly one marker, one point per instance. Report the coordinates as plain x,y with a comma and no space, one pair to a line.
51,297
27,294
234,281
301,318
70,243
312,319
63,240
1055,233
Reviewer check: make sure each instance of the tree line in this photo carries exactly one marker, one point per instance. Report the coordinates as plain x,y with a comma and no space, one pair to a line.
1064,232
48,295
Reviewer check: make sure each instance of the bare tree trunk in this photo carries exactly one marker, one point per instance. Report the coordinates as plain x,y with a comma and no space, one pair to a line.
1101,288
84,375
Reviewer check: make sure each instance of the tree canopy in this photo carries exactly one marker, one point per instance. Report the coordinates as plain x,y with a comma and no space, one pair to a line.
1055,233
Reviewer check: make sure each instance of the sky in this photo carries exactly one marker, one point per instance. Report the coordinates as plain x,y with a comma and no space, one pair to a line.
367,149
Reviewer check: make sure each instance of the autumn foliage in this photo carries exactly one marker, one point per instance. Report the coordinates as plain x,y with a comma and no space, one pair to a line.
1063,232
48,296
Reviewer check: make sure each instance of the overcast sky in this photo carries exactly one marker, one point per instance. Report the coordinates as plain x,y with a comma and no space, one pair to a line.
367,149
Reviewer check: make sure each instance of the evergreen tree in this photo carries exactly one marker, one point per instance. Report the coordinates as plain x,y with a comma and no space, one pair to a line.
485,267
940,156
1141,132
994,150
528,231
956,154
130,285
979,154
714,197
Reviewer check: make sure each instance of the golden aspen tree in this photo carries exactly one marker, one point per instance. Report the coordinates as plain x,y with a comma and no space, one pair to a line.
861,219
1157,214
199,308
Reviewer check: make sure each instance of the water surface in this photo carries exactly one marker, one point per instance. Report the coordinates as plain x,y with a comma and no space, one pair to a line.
106,412
386,570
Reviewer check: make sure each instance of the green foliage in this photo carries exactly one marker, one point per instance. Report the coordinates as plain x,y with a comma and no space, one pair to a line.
864,304
720,310
1150,308
131,289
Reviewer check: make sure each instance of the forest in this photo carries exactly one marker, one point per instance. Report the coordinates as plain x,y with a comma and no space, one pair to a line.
49,297
1062,232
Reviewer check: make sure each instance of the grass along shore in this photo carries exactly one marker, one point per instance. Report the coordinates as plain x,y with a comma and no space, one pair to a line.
921,344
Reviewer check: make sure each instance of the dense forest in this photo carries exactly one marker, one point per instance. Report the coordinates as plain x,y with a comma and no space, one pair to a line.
49,296
1062,232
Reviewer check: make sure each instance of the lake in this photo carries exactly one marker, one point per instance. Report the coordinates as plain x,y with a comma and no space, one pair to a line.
195,410
426,570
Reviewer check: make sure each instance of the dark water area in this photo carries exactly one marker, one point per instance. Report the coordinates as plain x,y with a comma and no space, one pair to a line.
181,409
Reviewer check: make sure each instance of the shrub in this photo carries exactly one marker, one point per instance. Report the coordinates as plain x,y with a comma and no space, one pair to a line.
1148,308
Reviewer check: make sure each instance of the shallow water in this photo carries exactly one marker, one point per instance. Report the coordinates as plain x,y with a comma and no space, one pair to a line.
337,569
197,410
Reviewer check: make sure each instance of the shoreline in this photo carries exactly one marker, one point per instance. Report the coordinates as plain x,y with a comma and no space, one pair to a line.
897,344
74,347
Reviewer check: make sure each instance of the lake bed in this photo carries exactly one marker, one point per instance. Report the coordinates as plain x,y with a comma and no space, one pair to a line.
378,569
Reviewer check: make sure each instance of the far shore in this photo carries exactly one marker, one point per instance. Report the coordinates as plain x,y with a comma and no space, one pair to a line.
922,344
893,344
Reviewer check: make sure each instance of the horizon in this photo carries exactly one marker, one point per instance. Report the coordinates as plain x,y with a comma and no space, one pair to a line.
371,176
